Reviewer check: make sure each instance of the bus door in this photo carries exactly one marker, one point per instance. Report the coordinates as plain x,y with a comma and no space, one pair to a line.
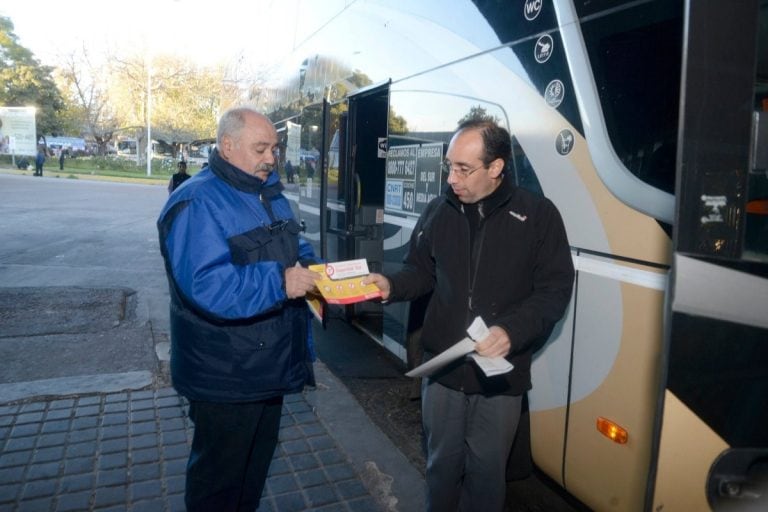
356,135
713,428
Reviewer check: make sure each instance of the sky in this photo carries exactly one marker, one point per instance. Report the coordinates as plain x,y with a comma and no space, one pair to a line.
208,31
384,39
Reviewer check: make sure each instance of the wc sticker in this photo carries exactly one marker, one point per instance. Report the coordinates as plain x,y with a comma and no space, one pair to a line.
532,8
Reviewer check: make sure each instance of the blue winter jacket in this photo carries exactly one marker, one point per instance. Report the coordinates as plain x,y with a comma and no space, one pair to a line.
227,238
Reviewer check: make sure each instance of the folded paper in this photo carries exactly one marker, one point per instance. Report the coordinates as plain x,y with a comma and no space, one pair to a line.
477,331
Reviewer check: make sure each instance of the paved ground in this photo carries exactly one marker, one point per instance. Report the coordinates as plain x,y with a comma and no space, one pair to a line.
128,451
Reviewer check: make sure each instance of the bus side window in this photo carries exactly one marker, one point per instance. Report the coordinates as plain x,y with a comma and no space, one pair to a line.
522,171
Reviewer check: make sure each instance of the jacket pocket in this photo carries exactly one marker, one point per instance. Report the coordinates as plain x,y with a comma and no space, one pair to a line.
250,247
270,357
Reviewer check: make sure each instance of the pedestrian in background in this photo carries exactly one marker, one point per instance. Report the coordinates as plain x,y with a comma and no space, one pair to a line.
310,168
39,161
289,171
490,249
4,139
61,158
240,327
179,177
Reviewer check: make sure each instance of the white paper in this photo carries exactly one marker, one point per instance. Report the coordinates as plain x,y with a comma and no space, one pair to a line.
477,331
492,365
345,269
460,349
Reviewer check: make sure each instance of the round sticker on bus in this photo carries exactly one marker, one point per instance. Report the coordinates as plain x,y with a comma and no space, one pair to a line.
554,93
542,51
564,142
532,8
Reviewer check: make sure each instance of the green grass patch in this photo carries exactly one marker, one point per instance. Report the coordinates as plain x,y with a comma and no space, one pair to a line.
110,166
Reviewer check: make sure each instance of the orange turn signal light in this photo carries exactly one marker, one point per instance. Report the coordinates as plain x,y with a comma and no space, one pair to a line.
612,431
758,206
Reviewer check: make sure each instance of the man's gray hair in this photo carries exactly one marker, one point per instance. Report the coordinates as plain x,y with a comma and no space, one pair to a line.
232,122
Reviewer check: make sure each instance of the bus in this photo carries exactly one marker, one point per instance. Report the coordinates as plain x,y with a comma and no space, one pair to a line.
126,147
644,121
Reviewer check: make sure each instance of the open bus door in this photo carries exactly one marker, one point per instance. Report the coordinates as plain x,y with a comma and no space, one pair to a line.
356,135
713,428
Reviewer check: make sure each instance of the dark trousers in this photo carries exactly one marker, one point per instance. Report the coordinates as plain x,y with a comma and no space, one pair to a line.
469,438
232,448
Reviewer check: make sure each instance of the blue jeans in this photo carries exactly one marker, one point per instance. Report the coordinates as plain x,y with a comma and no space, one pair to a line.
469,438
232,449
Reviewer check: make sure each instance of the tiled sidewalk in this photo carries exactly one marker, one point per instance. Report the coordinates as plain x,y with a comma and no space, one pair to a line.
128,451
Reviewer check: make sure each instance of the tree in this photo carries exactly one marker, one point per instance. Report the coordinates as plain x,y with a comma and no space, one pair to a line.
24,81
185,100
478,112
187,105
89,110
397,123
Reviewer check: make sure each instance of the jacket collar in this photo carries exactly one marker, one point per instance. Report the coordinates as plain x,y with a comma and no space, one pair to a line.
488,204
243,181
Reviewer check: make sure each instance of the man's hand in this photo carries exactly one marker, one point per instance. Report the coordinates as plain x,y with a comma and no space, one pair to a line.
496,344
299,280
381,282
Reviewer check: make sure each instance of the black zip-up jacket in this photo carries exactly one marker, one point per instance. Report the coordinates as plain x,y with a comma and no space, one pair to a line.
521,280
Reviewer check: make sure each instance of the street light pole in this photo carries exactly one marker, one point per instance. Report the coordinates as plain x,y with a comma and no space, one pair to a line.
149,118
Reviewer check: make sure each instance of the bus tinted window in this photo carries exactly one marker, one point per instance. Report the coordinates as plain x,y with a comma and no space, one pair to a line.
636,56
520,166
756,226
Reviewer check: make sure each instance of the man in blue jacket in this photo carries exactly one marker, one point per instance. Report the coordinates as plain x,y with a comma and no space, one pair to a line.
39,161
240,329
485,248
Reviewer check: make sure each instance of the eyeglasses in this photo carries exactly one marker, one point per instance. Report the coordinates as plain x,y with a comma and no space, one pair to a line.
461,172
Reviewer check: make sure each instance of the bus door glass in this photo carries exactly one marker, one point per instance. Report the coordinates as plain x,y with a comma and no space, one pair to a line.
355,131
336,184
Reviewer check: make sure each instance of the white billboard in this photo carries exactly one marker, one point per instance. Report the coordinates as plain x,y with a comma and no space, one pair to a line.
17,131
293,144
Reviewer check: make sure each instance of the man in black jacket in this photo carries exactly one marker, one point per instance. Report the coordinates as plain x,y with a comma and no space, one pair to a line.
178,178
490,249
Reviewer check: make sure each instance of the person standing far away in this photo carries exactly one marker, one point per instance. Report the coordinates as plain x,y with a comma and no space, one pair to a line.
39,161
490,249
240,327
289,171
179,177
310,168
61,158
4,139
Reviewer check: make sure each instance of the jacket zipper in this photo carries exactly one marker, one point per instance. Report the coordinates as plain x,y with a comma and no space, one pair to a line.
479,236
